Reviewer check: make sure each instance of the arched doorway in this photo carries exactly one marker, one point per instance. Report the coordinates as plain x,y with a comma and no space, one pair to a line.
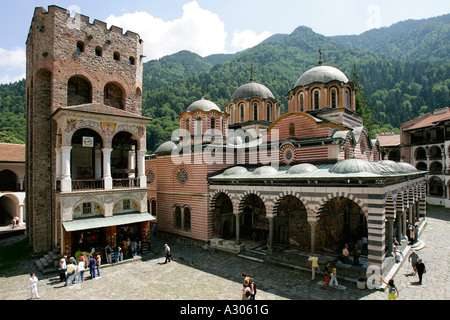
223,218
290,225
86,160
341,222
253,218
8,209
8,180
124,160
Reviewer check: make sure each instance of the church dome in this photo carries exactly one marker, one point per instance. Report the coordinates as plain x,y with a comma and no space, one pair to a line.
359,166
264,170
204,105
321,74
235,171
252,90
302,168
166,147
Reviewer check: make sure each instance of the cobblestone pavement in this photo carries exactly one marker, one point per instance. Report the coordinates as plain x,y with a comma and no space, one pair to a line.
199,274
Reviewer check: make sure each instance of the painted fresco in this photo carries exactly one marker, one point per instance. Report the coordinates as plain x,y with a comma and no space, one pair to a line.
291,225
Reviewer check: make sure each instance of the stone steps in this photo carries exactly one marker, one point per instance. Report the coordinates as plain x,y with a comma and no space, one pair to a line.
49,262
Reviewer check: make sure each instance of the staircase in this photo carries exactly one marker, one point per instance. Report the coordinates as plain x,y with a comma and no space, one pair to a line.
49,263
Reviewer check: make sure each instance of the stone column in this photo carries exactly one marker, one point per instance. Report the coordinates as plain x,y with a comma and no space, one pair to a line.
270,242
58,163
66,181
107,178
141,169
313,236
238,233
98,164
131,164
390,231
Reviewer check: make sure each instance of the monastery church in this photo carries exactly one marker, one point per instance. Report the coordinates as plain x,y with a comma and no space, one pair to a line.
306,182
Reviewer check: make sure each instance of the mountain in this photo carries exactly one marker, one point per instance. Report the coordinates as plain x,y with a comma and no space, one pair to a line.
410,40
403,71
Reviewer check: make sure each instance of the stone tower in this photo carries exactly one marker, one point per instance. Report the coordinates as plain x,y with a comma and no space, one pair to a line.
70,62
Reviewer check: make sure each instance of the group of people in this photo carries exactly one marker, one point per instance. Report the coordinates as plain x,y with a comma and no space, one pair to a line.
330,272
128,249
248,288
360,247
73,271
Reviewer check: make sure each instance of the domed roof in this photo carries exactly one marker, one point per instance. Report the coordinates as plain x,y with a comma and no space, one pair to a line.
407,166
252,90
302,168
264,170
166,146
234,171
204,105
358,166
392,164
321,74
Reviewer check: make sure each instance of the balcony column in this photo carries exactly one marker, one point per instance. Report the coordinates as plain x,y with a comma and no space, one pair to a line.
98,163
141,169
131,164
66,180
58,163
107,178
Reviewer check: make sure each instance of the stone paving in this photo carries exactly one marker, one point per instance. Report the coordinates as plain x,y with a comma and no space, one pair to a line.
199,274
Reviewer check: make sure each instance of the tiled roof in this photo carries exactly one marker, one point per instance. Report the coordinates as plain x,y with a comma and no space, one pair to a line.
389,140
10,152
429,120
103,109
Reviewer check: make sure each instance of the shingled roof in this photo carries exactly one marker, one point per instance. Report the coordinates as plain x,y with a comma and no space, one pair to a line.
10,152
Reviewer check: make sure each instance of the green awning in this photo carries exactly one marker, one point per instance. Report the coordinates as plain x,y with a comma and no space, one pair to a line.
101,222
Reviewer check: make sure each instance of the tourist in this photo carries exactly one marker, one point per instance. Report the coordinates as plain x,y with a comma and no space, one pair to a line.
333,276
246,279
167,252
327,276
420,268
413,257
246,292
109,252
365,245
33,286
71,270
62,270
252,289
92,267
314,263
80,269
14,223
416,234
392,289
345,254
98,262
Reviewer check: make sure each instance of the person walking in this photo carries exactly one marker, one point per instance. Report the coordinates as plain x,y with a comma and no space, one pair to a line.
92,267
62,270
314,263
33,286
71,269
327,276
167,252
420,268
98,263
333,276
356,254
345,254
252,289
392,289
109,252
80,269
413,258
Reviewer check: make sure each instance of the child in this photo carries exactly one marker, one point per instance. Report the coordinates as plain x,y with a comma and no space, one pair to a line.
33,286
333,276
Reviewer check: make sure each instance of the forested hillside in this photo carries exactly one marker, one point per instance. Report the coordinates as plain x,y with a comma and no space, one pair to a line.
403,70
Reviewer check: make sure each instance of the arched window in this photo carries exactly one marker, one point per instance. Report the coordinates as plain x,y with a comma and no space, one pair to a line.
79,91
348,102
116,55
213,125
255,110
334,98
241,112
187,219
80,46
301,103
198,125
231,115
131,61
316,97
292,130
98,51
177,217
113,96
269,111
187,125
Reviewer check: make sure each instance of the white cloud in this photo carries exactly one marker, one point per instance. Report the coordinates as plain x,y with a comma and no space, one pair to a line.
198,30
12,65
247,38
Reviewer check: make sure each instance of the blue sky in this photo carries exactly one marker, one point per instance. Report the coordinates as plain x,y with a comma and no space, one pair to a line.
210,26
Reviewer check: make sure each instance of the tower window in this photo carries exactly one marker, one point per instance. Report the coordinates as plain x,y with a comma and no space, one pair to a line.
80,46
255,111
116,56
316,100
98,51
269,112
131,61
241,109
333,99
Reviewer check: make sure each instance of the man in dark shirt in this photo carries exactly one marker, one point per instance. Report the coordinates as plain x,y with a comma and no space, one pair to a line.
420,268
